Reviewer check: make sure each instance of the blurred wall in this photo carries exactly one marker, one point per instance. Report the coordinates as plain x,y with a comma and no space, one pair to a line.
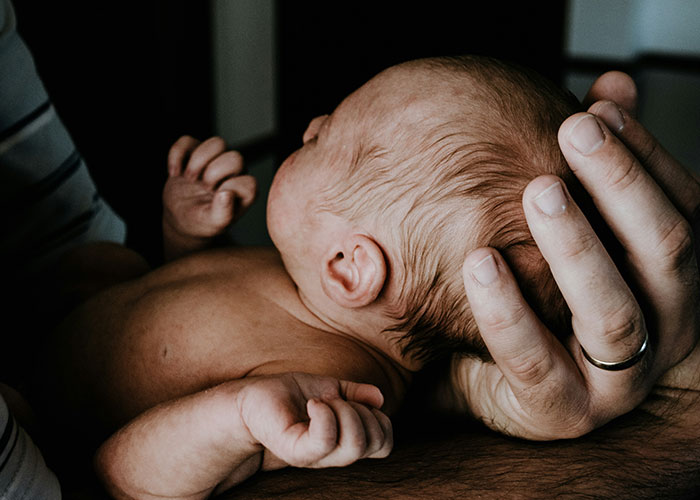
245,95
243,34
127,78
306,56
658,43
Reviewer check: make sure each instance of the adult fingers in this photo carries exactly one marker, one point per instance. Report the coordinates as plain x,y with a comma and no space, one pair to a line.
528,355
676,181
618,182
179,154
610,324
606,317
223,166
614,86
202,155
656,237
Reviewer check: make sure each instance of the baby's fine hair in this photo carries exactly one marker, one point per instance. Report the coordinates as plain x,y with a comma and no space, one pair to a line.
450,178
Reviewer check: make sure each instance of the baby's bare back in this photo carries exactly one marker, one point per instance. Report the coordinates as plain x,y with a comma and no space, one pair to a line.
188,326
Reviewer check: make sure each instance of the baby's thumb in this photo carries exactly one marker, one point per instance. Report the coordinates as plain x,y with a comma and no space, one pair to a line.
362,393
323,429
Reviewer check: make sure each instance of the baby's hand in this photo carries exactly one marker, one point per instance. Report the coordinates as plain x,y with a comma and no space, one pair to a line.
312,421
205,193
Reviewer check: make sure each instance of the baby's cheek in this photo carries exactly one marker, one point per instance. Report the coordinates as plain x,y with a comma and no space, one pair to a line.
281,212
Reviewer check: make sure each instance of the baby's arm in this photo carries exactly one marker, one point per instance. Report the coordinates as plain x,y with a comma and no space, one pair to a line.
205,192
209,441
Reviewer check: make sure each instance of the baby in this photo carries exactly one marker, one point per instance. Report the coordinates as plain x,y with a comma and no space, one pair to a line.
371,220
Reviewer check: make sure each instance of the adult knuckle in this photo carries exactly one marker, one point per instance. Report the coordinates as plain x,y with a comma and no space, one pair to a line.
506,318
676,246
624,175
531,367
583,244
623,324
648,149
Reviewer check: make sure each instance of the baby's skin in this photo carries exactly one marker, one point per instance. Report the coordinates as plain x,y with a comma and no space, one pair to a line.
211,365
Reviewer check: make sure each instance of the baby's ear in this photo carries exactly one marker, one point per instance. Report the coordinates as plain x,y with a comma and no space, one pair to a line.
354,271
313,128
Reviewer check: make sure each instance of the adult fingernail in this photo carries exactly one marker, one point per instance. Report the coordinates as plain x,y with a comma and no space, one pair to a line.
611,114
586,135
485,271
552,200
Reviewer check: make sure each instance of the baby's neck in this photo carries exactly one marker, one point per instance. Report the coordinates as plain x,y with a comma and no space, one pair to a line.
364,326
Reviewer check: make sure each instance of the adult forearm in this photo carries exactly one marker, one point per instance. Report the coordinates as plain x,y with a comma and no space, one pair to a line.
653,452
181,449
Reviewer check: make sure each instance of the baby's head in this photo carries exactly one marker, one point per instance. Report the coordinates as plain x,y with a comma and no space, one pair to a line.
374,215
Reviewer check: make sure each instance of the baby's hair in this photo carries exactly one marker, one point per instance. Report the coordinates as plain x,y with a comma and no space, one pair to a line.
446,177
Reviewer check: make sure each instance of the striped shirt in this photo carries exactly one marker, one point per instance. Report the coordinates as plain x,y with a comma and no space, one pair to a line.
48,203
23,474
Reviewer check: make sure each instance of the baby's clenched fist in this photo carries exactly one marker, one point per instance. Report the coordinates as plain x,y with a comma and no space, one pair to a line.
311,421
206,191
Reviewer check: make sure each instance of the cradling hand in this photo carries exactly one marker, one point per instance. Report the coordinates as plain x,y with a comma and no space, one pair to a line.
632,323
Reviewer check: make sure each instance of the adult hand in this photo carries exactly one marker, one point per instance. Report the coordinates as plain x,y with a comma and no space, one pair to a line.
539,388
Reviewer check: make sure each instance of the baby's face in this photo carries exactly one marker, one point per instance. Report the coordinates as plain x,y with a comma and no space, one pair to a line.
329,143
294,218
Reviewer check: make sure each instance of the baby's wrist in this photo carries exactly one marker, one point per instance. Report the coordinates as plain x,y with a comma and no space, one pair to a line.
232,411
178,243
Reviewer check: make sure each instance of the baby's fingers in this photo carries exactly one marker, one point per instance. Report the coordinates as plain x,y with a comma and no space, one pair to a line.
202,155
380,440
323,430
374,432
225,165
304,443
221,210
245,190
362,393
180,153
352,441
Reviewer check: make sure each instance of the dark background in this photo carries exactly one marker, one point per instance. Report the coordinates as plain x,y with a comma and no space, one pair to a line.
128,78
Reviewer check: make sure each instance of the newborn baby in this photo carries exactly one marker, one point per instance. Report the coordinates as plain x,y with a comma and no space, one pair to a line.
371,220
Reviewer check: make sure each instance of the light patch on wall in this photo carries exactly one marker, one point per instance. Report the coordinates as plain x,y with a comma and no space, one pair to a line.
623,29
244,69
